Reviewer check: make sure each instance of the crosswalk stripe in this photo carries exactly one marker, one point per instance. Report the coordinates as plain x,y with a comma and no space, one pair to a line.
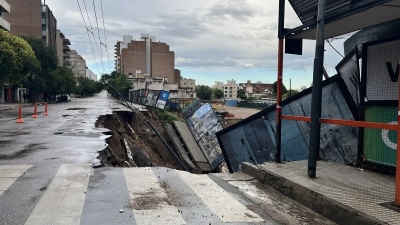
63,200
219,201
9,174
148,200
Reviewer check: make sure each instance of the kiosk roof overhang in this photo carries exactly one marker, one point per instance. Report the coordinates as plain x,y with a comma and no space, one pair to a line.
342,16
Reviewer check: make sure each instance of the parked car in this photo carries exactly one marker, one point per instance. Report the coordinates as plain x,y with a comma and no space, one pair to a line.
63,98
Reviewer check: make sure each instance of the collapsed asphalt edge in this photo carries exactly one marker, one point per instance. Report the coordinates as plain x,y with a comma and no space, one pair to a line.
328,207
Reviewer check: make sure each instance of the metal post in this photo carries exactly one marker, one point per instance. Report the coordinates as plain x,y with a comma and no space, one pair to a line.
397,192
290,87
278,136
316,92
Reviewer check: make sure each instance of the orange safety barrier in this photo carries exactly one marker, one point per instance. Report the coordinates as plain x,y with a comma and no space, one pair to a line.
34,112
19,120
45,110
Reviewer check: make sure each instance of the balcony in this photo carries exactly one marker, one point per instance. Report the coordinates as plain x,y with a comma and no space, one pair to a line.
4,24
66,41
4,6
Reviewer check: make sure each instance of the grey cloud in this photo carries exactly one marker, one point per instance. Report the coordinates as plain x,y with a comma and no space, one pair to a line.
238,10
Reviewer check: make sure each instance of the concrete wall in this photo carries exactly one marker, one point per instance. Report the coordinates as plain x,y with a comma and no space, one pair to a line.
77,64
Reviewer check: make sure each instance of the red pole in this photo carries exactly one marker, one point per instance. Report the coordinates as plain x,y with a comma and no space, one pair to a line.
397,192
34,112
278,102
45,110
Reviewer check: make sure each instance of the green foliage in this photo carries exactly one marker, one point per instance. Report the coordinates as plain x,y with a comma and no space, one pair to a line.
218,93
204,92
290,93
62,81
275,88
42,81
167,117
241,94
87,87
17,58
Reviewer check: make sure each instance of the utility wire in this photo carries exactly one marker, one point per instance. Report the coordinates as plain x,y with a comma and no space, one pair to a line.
91,31
329,42
87,31
98,32
105,36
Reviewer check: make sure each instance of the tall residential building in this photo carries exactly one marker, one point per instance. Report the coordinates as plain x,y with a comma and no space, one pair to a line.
77,64
146,56
31,18
63,49
4,9
91,75
230,88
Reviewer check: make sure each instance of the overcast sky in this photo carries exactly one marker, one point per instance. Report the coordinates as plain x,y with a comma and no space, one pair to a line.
213,40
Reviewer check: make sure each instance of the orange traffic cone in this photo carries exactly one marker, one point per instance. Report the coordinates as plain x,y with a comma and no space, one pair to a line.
34,112
19,120
45,110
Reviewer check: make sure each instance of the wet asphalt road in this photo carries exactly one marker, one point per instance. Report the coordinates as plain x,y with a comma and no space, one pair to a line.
66,136
46,177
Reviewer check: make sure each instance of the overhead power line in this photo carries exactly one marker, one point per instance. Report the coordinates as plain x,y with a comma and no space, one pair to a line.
87,31
98,32
105,36
94,37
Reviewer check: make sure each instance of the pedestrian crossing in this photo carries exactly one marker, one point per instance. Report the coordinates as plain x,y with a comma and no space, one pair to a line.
77,193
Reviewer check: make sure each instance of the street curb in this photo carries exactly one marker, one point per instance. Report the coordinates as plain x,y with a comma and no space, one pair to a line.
330,208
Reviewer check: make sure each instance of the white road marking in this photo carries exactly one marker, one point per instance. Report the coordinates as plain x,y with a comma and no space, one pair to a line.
9,174
62,203
227,208
148,200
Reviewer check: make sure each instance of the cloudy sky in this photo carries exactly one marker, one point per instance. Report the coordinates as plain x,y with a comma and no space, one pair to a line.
213,40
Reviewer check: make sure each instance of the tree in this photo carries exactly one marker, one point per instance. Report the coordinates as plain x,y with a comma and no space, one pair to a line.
218,93
275,88
63,81
204,92
41,81
290,93
241,94
17,59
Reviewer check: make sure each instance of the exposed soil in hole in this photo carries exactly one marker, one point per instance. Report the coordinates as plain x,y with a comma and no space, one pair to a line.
132,143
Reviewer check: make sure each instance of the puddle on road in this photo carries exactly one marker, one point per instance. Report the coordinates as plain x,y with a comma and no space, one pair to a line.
76,109
24,152
58,133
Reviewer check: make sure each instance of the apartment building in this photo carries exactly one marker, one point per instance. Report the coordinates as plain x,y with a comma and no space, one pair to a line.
188,88
230,88
31,18
146,56
256,89
4,9
77,64
90,74
63,49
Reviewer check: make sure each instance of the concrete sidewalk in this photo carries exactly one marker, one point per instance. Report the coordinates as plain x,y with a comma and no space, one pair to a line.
341,193
7,106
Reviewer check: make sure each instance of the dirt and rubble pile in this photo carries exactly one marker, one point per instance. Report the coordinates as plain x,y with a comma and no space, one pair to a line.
132,143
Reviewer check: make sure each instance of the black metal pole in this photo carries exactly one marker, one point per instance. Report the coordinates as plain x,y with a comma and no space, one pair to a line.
278,136
316,92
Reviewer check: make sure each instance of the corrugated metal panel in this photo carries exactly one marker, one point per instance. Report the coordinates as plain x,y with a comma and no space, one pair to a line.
307,10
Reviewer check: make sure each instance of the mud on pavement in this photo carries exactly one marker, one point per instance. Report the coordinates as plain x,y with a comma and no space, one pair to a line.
132,143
